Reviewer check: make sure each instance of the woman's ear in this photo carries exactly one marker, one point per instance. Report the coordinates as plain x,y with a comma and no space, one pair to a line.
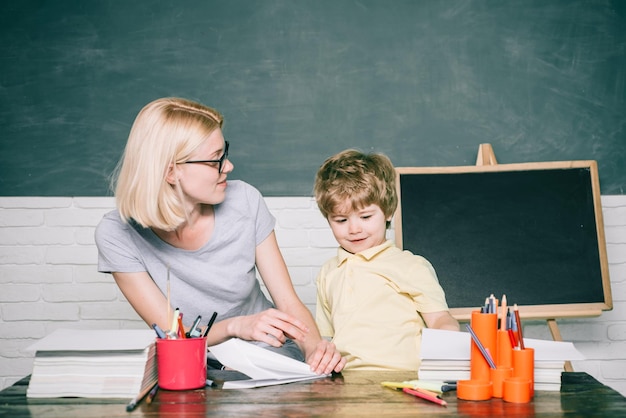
172,174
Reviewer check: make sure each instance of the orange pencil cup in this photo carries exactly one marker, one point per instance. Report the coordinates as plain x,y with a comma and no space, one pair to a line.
498,376
524,366
485,328
181,363
504,356
516,390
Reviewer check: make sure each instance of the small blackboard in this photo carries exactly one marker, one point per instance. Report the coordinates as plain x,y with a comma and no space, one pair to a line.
531,231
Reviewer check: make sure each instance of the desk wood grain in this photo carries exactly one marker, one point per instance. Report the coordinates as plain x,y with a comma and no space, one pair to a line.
353,394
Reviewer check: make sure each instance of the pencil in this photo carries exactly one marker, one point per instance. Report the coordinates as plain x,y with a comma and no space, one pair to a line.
422,395
152,394
519,326
503,317
481,347
132,404
169,309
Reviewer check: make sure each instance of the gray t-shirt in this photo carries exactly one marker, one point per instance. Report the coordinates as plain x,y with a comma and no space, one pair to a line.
219,277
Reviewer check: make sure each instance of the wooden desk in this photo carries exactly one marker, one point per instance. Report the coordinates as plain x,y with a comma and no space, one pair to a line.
353,394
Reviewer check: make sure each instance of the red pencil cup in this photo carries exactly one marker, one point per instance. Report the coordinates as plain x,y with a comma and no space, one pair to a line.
181,363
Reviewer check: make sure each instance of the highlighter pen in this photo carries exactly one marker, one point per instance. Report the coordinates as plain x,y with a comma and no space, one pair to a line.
173,331
425,396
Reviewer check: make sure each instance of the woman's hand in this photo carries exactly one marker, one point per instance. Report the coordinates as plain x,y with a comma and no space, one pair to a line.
325,358
270,326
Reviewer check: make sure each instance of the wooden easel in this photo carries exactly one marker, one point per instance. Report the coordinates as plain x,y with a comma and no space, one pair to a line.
486,156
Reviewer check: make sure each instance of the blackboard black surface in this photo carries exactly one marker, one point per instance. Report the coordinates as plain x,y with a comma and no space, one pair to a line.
422,81
530,231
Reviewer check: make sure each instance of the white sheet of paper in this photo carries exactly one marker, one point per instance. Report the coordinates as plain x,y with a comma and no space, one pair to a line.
265,367
94,340
452,345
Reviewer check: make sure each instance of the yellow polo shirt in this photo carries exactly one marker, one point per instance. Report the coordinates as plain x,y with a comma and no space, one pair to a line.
369,304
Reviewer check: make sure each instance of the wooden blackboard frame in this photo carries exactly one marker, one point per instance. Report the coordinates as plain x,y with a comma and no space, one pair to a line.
486,163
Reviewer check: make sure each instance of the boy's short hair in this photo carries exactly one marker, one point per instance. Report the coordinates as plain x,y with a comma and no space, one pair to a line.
363,179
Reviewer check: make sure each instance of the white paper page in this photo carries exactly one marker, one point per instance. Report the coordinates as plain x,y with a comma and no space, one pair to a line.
94,340
452,345
256,383
259,363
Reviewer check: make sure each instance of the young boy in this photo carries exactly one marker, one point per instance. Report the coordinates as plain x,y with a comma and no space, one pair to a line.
373,299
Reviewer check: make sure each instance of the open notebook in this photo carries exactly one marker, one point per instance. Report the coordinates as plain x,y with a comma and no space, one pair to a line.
264,367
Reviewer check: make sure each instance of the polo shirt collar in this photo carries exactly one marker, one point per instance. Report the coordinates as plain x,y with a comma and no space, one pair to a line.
343,255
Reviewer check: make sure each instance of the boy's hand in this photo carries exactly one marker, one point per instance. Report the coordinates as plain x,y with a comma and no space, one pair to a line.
325,358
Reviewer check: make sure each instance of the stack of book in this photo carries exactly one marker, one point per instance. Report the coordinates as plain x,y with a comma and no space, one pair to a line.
94,364
445,356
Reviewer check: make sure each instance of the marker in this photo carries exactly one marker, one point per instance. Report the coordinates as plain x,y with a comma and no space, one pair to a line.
209,325
421,394
447,387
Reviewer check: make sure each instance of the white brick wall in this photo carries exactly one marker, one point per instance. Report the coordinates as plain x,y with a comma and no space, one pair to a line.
48,278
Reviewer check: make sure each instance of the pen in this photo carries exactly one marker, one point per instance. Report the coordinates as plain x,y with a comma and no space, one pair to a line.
158,331
194,331
209,325
420,394
480,346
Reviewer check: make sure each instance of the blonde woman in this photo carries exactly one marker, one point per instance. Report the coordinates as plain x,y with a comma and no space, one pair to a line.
180,224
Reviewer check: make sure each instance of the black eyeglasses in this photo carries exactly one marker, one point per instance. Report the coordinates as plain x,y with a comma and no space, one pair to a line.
220,161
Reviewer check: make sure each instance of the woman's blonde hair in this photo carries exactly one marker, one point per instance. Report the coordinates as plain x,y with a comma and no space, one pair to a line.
362,179
166,131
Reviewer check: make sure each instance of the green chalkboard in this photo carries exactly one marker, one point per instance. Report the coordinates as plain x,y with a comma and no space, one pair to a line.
533,232
298,80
